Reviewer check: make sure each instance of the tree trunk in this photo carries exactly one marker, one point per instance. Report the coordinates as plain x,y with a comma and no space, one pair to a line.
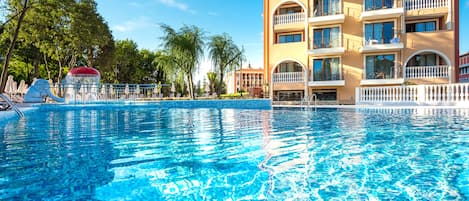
191,87
60,66
3,79
220,85
47,67
36,67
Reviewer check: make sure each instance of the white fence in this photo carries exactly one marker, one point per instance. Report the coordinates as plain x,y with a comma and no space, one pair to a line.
438,95
424,4
418,72
291,77
108,92
289,18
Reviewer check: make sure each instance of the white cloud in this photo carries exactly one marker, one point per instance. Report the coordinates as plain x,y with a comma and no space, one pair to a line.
175,4
134,24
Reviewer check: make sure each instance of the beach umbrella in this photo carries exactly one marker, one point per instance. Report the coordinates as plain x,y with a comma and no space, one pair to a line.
22,87
9,85
14,87
103,90
137,89
111,90
126,89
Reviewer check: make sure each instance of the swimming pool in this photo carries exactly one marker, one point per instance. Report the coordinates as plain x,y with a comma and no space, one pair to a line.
153,153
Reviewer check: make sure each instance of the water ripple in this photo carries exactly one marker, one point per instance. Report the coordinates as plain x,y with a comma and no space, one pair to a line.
210,154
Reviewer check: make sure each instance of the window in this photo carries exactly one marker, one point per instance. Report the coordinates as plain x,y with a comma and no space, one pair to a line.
290,38
326,38
381,33
421,27
290,10
424,60
326,94
289,67
326,69
377,4
380,66
326,7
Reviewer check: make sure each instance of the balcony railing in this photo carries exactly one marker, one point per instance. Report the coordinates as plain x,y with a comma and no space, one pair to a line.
319,12
289,18
421,72
447,94
290,77
424,4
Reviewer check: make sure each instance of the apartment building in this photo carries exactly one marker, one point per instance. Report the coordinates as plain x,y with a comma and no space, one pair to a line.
245,79
464,68
331,47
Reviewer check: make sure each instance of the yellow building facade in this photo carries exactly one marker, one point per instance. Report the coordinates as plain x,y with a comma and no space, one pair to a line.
245,79
330,47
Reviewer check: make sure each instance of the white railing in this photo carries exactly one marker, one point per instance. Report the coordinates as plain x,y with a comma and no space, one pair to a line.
424,4
111,92
419,72
289,18
442,95
291,77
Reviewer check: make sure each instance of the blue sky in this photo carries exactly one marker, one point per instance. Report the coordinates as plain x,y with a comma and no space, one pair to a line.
140,21
464,26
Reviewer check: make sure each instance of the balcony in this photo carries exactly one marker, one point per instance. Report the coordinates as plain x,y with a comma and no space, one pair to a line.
327,51
374,46
322,16
327,83
424,4
288,77
426,72
384,13
291,18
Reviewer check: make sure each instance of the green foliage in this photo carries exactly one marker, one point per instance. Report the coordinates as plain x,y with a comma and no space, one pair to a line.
225,55
212,77
57,35
183,49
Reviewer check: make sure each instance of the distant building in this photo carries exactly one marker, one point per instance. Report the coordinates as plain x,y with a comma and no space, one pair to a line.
245,79
464,68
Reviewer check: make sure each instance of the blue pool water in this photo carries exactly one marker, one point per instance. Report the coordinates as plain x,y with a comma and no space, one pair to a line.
150,153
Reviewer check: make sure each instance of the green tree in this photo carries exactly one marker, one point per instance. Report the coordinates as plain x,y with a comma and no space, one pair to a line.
22,7
225,55
90,33
184,48
212,78
126,60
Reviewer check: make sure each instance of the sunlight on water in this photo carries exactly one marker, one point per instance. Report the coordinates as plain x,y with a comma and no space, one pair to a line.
207,154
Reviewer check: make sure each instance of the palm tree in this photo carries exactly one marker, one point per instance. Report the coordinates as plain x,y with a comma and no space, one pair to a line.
184,48
225,56
212,77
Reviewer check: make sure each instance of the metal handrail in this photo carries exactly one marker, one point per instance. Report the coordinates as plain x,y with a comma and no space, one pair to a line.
12,105
308,99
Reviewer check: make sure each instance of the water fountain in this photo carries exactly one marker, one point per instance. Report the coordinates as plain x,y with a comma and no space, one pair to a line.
82,84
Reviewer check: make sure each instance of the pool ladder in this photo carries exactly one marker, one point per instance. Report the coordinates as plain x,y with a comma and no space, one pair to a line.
306,102
12,105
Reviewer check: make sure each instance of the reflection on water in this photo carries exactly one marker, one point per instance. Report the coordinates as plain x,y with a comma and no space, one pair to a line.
205,154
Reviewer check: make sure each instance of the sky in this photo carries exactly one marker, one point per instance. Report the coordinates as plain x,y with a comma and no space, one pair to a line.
140,20
464,26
